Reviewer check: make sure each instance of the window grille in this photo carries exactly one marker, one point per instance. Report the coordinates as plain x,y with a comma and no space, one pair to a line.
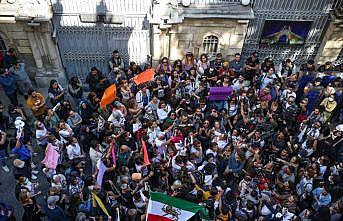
210,45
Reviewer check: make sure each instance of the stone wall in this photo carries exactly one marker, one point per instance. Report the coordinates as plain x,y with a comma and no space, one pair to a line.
15,36
189,35
331,45
35,48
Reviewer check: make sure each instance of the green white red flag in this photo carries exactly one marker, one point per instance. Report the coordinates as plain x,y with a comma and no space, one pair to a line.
162,207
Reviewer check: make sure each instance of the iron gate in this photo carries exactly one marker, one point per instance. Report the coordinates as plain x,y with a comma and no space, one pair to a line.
87,31
312,10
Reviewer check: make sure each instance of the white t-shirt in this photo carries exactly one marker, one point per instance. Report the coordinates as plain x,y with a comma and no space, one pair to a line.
40,134
221,144
265,211
117,117
208,151
65,134
162,113
73,151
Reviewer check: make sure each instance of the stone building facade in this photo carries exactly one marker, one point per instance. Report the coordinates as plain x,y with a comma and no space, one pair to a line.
61,38
209,28
26,26
225,35
331,47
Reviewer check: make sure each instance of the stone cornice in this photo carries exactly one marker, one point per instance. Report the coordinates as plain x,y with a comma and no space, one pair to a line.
27,10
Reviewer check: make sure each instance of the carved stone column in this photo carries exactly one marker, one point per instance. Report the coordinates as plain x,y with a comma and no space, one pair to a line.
35,49
164,14
52,49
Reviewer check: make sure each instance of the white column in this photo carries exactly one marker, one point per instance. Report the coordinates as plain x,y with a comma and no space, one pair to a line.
35,50
51,48
166,43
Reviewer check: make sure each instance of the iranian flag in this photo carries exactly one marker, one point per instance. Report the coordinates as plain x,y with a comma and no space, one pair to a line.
166,208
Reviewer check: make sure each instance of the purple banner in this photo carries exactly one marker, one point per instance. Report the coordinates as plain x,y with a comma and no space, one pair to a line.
220,93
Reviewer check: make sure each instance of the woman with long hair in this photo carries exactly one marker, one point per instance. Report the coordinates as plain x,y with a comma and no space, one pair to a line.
164,67
56,92
189,62
178,65
202,64
125,91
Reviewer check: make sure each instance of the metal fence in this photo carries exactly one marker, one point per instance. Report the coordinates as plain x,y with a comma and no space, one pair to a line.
316,11
83,45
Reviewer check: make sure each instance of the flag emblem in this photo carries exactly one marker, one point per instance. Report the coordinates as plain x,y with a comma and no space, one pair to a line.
171,213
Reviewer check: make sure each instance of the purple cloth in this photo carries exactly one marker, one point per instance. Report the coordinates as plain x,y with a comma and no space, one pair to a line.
220,93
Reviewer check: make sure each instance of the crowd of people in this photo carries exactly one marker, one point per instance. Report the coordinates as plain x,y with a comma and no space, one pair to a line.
270,149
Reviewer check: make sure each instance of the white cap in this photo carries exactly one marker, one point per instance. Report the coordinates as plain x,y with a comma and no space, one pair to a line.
18,123
339,127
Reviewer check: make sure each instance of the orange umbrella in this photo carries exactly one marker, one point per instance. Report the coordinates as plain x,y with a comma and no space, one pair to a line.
109,96
145,76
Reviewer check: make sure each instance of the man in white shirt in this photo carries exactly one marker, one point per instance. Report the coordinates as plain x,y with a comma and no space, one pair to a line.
73,149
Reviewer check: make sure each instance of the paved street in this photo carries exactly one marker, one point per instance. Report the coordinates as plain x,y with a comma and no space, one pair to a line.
7,188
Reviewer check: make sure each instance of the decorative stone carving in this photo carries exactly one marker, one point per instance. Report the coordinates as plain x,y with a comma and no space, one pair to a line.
186,3
165,12
34,9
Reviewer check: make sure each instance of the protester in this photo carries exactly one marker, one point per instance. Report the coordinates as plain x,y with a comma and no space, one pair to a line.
75,89
8,82
36,102
10,58
243,139
22,78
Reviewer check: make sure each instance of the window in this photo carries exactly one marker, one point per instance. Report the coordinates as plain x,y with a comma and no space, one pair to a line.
210,45
2,46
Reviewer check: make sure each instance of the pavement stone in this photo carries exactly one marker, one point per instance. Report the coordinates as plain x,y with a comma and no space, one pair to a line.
7,180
